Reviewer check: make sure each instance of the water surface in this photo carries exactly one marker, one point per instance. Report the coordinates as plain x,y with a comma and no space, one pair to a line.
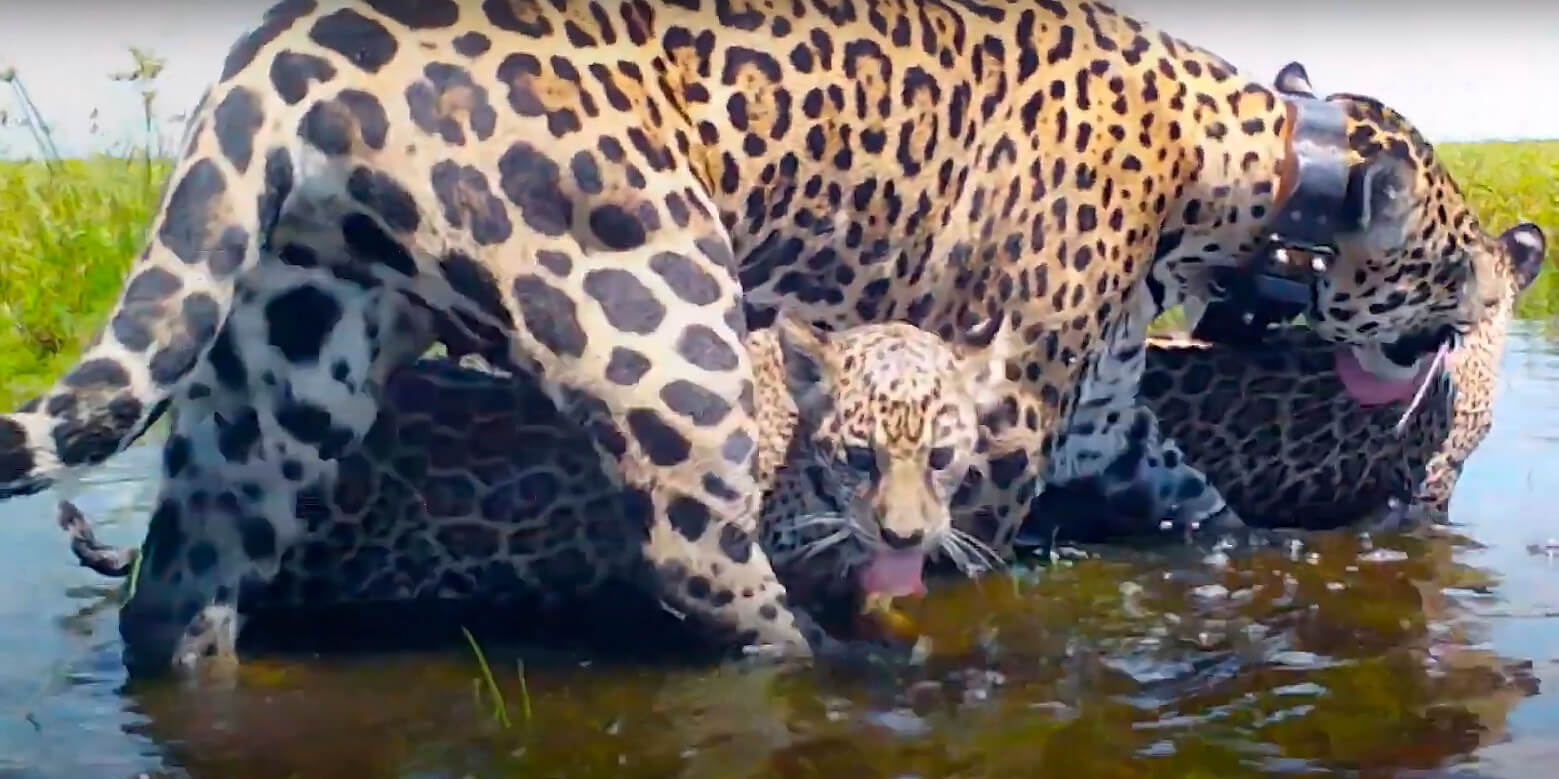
1431,654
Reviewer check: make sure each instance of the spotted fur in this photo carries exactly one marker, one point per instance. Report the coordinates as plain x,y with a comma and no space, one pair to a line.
588,193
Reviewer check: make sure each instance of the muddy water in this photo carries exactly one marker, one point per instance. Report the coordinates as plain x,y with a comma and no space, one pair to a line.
1432,654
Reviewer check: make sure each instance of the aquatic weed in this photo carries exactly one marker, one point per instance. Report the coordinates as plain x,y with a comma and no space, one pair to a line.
135,570
500,708
519,665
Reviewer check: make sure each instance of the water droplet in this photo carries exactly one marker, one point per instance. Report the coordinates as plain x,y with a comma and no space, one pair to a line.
1383,556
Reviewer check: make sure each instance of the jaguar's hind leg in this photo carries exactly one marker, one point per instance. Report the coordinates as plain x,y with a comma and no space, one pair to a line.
291,386
638,338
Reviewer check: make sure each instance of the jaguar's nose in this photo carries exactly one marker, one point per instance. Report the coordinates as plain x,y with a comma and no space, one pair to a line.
896,540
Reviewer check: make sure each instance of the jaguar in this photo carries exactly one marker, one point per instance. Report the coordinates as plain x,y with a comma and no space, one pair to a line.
592,193
444,504
1288,446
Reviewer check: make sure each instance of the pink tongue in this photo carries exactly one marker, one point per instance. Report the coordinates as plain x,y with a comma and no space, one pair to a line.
894,573
1371,390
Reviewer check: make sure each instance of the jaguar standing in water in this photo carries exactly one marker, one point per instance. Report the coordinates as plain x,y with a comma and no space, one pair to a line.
588,192
443,507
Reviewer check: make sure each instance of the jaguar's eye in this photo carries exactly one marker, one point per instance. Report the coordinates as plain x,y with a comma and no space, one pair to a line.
941,457
860,458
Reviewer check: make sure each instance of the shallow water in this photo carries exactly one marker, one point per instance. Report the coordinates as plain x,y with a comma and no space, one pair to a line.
1435,654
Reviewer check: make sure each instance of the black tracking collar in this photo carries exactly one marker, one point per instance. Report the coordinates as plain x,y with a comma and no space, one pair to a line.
1260,292
1317,204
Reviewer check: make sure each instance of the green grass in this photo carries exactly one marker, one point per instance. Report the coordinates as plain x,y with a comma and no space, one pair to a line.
488,683
66,239
1509,182
71,227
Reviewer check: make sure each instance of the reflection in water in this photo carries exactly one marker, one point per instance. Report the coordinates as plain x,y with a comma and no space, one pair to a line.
1385,655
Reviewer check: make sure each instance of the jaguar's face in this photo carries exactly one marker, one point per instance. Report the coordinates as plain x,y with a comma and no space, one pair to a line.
1413,268
890,418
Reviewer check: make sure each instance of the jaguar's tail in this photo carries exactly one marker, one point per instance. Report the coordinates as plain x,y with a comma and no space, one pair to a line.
114,561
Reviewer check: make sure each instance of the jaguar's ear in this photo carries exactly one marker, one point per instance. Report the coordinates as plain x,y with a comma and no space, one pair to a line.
801,347
1380,195
1293,80
983,367
1525,245
985,375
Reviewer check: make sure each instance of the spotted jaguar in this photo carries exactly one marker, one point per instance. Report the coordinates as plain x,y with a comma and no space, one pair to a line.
1287,444
590,193
471,489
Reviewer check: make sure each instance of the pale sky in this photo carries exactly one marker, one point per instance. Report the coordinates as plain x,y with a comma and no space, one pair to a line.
1460,71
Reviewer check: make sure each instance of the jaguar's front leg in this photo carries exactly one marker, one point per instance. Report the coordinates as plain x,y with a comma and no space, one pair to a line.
1114,473
1126,479
268,415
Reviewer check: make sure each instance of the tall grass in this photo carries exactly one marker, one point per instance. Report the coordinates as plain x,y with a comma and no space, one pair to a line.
69,227
1508,182
66,239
